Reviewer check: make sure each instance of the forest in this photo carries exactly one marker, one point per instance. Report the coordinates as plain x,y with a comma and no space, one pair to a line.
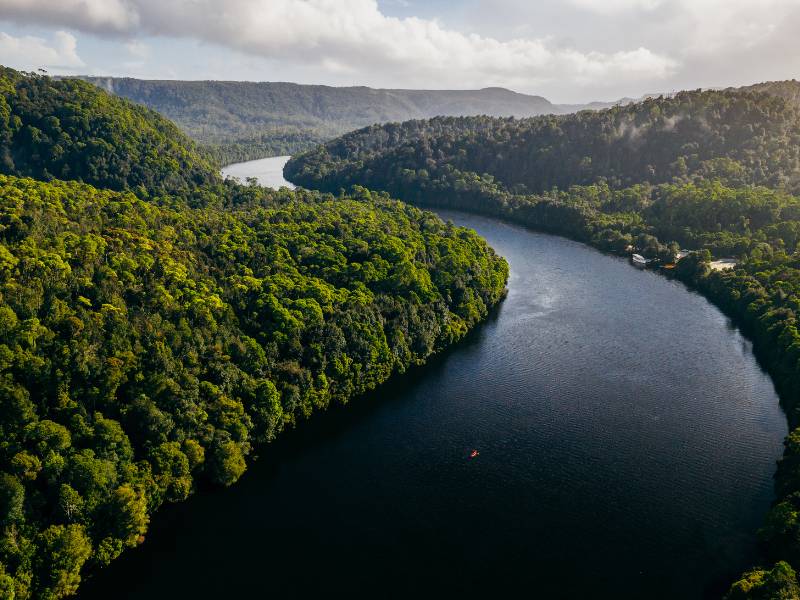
240,120
713,172
69,129
237,121
158,325
737,137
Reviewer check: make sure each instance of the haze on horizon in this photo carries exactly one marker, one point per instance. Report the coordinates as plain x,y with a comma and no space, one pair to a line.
565,50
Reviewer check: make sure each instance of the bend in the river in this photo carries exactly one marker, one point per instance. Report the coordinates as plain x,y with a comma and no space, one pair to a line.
268,171
626,435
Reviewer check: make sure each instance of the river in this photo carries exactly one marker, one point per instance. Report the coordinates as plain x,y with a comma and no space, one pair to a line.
627,441
268,171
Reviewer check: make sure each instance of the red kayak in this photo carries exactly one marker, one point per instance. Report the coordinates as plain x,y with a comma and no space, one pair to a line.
473,454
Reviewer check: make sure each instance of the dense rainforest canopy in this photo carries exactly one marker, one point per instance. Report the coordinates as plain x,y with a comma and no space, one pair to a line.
69,129
713,172
740,137
149,341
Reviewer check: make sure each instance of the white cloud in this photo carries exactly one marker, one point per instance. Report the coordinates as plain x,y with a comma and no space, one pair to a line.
713,42
137,49
569,50
32,53
617,6
86,15
351,36
715,26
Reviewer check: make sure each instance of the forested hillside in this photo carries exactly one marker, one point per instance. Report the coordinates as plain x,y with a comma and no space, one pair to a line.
148,345
241,120
744,138
715,172
788,90
69,129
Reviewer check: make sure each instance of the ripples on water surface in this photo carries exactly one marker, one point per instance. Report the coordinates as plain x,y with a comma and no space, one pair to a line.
627,443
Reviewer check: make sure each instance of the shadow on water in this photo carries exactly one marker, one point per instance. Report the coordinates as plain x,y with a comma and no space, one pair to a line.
318,432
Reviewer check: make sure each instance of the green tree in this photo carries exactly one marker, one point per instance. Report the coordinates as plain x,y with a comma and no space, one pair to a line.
63,551
227,462
70,504
12,499
127,515
172,471
7,587
778,583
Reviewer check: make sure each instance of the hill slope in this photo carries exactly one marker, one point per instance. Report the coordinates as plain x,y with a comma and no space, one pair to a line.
69,129
283,118
240,120
788,90
741,136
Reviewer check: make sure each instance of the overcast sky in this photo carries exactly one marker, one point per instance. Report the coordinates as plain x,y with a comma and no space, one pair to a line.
566,50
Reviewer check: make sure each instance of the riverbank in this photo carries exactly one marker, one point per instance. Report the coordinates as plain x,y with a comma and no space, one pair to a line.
759,294
734,293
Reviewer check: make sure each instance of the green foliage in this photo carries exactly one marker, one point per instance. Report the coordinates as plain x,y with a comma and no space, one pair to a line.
148,345
738,137
281,141
7,591
12,500
126,515
789,90
227,462
63,549
239,120
69,129
153,332
779,583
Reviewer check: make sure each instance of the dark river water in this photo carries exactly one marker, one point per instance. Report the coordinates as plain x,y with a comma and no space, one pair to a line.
627,443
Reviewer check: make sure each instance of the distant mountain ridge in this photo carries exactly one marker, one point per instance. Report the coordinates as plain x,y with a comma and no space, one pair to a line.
249,120
266,102
241,120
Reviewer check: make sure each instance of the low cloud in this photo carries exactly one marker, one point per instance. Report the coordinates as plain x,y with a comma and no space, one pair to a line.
32,53
353,36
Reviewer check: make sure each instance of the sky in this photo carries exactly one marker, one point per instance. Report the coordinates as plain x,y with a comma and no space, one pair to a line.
565,50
